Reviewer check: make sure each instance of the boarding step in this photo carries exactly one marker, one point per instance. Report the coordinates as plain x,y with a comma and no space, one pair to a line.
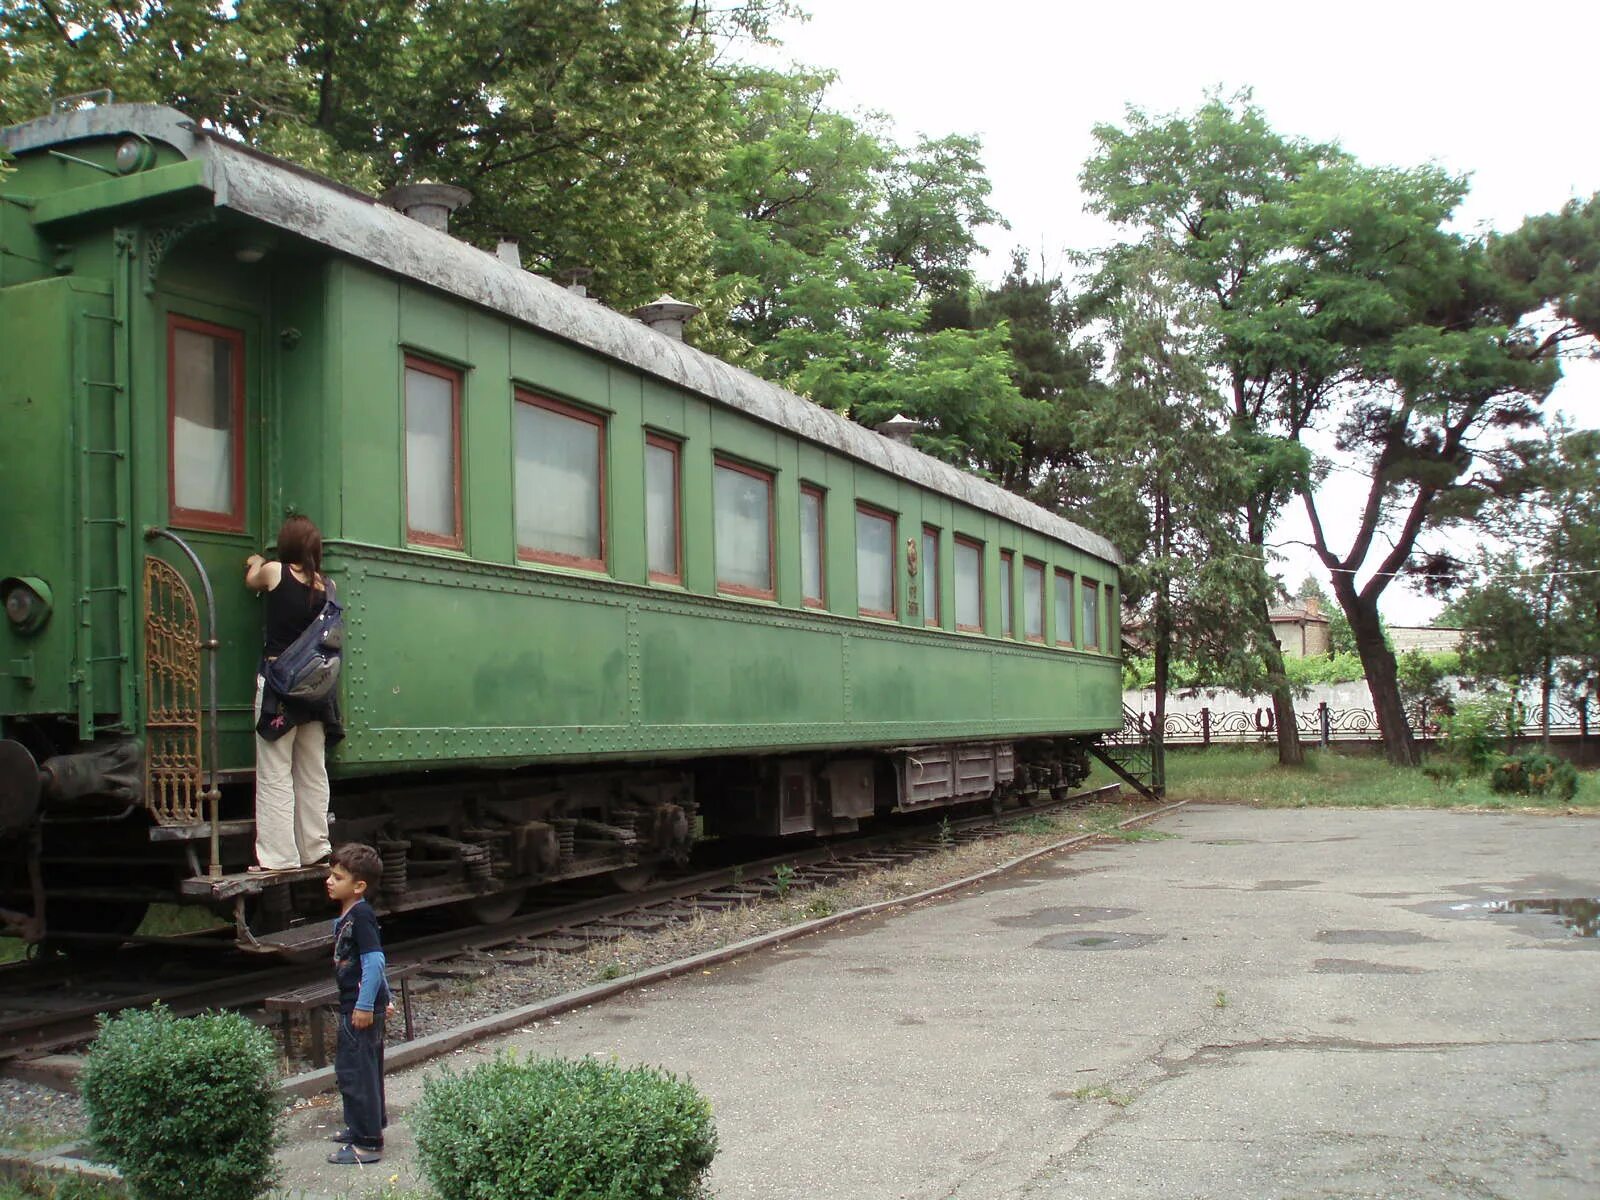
247,883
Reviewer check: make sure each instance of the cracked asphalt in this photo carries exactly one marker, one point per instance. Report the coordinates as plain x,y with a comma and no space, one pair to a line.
1273,1003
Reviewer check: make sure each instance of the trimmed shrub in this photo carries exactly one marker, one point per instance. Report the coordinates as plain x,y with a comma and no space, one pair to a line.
554,1127
1535,774
185,1109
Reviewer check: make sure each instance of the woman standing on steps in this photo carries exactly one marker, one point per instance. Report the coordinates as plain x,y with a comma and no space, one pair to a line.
291,735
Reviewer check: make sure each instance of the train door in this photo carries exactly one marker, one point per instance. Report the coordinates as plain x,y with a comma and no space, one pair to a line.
213,490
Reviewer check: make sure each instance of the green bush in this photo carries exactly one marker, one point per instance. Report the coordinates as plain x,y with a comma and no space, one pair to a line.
574,1129
1469,735
1535,774
185,1109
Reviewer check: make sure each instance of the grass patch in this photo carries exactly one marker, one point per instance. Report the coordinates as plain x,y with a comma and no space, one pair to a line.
1332,778
28,1137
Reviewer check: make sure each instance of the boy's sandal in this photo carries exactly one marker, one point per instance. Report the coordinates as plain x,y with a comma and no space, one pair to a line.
354,1156
344,1137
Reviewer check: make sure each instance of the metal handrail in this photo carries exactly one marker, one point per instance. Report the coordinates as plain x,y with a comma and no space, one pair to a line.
210,644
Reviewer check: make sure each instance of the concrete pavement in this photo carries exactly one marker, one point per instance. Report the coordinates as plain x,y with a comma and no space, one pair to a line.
1275,1003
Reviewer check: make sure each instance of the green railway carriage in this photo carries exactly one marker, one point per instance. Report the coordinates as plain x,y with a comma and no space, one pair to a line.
605,592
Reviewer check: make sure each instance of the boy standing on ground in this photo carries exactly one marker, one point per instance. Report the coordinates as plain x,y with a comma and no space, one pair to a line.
363,998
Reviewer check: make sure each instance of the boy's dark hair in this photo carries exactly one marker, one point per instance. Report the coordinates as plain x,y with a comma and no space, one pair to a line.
362,861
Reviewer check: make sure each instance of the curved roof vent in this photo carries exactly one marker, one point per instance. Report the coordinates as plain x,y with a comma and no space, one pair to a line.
667,316
899,428
430,203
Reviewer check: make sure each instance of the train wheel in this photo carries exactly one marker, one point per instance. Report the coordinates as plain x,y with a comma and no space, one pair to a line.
491,909
633,879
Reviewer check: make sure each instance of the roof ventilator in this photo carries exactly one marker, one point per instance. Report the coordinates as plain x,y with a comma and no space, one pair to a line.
575,279
899,428
667,316
429,203
507,252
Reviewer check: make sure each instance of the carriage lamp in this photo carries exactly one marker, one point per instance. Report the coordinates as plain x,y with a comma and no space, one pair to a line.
27,603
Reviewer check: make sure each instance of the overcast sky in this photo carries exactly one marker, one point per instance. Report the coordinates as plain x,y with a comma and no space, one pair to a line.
1503,92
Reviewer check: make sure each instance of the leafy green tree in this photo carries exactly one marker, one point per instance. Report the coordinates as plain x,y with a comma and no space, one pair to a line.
1532,610
588,131
1056,367
1166,487
1556,260
1199,190
1340,306
835,244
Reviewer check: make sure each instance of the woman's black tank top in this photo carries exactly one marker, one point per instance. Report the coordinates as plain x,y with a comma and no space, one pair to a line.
291,606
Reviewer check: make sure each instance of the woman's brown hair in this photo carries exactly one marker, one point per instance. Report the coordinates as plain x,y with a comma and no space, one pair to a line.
300,544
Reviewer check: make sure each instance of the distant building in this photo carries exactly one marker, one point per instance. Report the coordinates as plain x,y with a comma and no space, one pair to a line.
1302,631
1429,639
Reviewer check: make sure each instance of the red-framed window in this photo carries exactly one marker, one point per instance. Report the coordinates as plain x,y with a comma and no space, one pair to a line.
1033,600
433,453
663,504
813,546
742,529
205,425
1008,618
1063,607
1090,591
929,567
969,584
876,593
560,482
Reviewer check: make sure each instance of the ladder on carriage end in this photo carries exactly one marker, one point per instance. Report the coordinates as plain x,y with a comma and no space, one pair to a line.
1133,756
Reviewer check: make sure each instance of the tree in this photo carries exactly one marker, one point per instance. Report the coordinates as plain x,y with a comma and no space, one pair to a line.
1200,190
1342,308
835,245
1167,488
1532,610
1056,367
588,131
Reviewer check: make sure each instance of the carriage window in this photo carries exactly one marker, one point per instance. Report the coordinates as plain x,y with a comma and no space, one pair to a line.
1033,600
1091,614
743,530
1113,621
811,543
662,517
433,454
205,396
1063,608
930,575
969,585
560,483
875,562
1007,620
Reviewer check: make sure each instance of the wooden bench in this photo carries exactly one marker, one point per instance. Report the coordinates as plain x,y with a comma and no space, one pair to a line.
311,1001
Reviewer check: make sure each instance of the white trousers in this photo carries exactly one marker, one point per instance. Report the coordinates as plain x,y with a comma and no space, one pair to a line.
291,795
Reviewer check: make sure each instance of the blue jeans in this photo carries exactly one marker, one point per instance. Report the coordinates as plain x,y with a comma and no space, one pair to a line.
358,1066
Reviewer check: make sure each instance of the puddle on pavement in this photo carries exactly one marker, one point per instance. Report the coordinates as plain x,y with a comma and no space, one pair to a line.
1096,940
1581,916
1073,915
1372,937
1285,885
1577,917
1355,966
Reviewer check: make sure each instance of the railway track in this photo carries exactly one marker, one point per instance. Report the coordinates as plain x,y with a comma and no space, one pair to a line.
52,1006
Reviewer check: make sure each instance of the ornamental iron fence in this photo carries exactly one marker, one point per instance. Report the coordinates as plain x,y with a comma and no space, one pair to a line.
1326,725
